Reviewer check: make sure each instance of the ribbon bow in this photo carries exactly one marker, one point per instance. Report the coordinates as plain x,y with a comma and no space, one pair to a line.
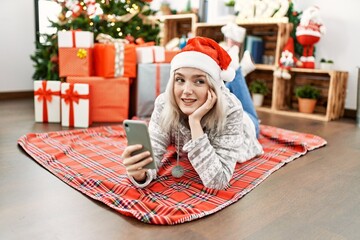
45,95
70,97
81,53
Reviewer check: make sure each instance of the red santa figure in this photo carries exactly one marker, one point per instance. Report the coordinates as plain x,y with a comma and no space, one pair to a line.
308,33
287,60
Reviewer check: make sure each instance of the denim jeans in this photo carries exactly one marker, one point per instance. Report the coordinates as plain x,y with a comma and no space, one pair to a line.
240,89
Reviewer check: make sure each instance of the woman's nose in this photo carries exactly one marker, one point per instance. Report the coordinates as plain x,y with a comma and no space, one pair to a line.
188,88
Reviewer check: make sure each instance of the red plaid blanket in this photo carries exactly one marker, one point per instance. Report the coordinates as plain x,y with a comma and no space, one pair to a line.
89,160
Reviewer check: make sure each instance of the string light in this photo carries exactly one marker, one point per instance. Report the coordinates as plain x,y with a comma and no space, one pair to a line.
91,24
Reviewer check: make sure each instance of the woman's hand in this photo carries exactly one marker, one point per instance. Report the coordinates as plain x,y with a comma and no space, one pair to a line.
134,164
199,113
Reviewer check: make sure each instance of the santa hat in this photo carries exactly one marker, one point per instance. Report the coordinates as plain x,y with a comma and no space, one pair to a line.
207,55
234,32
289,46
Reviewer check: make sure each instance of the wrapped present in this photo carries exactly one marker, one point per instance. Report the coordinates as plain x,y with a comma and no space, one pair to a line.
170,54
114,57
150,54
47,101
75,62
75,39
109,97
151,81
75,105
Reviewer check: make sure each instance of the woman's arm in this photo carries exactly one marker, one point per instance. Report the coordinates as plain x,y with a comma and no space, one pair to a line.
214,160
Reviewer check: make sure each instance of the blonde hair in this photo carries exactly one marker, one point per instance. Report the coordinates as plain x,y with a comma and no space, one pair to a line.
171,115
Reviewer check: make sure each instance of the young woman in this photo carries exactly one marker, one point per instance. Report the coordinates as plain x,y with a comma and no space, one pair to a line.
200,117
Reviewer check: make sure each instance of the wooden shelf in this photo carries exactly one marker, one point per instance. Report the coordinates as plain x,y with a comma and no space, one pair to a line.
174,26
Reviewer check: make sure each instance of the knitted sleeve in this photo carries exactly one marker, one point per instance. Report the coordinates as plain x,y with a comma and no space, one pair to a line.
215,159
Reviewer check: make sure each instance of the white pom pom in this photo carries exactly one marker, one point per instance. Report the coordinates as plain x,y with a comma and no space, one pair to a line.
227,75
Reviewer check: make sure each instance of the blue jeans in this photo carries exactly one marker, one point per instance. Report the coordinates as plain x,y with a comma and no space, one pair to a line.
240,89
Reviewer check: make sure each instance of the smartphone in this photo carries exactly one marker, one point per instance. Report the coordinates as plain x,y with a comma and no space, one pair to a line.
137,133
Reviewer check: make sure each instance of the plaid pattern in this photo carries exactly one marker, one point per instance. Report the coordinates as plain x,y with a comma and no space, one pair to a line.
89,160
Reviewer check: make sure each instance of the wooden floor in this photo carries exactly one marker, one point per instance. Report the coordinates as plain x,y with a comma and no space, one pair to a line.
314,197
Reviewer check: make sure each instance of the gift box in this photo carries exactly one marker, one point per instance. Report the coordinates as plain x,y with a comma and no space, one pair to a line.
150,54
75,62
109,97
75,105
170,54
78,39
151,81
47,101
115,60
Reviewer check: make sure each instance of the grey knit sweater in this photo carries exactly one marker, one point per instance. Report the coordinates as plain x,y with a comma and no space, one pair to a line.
213,155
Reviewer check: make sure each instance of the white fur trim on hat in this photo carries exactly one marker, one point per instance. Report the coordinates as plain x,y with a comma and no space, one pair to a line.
203,62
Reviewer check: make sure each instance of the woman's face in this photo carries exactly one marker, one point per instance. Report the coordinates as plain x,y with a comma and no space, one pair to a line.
190,89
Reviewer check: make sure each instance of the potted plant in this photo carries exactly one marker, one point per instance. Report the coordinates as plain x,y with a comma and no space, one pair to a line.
307,97
326,64
258,89
230,7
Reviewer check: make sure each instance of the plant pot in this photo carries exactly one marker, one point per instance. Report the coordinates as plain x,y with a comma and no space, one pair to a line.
306,105
230,11
326,66
258,99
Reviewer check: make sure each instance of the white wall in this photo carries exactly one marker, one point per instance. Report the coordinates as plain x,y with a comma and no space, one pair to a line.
339,43
17,43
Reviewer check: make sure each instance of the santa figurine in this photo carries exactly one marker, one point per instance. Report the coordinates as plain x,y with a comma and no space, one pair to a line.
287,60
309,32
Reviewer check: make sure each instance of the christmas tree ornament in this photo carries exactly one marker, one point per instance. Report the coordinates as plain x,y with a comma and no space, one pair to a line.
139,41
130,38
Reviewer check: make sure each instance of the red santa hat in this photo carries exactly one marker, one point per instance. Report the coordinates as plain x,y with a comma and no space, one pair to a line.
207,55
289,46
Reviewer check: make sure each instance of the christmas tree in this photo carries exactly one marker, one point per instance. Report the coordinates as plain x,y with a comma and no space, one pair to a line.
127,19
294,18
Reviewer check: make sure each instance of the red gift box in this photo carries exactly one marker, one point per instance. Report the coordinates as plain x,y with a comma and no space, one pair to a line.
109,97
170,54
75,62
115,60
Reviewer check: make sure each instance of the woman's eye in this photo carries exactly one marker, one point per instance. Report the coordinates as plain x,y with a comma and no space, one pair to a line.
179,80
199,81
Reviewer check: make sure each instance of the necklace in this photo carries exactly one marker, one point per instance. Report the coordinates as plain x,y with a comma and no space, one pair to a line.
177,171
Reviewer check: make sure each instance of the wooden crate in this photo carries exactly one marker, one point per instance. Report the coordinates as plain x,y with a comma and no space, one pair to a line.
267,77
172,26
274,35
332,85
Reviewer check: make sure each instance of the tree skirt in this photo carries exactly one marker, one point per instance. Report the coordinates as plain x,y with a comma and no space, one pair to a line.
89,161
